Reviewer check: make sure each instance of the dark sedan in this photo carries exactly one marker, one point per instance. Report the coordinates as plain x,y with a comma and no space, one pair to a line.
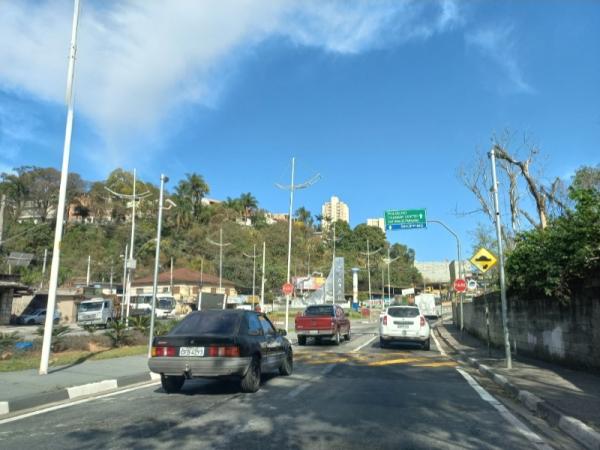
221,343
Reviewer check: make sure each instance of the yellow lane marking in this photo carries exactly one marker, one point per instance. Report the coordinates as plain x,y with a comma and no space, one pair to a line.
387,362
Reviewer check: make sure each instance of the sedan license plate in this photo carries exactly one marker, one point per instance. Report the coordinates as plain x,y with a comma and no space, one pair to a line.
314,331
191,351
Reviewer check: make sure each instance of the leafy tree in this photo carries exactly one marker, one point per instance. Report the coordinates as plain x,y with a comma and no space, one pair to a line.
303,215
248,203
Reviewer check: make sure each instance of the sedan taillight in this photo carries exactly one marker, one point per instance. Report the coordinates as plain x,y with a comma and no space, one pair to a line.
163,351
385,320
422,321
231,351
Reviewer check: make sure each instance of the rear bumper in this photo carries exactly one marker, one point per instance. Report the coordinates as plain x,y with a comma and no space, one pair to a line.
321,333
199,367
398,335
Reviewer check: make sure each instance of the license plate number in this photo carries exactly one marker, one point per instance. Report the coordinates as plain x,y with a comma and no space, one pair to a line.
401,325
191,351
314,332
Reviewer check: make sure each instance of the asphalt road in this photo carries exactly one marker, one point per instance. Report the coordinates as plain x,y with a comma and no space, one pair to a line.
352,396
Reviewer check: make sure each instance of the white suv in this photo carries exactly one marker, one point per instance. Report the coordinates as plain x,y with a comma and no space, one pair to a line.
404,324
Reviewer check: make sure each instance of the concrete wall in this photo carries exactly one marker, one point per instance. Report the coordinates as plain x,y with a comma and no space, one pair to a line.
543,328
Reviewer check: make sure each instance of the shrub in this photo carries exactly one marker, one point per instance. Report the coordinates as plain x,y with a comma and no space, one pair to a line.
118,333
8,340
58,336
141,324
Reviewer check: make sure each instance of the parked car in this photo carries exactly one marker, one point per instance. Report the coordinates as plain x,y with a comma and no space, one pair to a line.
37,316
322,321
404,324
221,343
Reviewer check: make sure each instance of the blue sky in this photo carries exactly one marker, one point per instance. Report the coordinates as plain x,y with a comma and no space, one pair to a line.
384,99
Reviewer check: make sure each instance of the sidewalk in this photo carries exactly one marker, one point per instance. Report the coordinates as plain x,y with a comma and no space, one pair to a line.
559,390
26,388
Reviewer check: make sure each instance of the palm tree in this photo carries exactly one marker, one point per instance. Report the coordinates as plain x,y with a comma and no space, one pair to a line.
192,189
303,215
248,203
319,219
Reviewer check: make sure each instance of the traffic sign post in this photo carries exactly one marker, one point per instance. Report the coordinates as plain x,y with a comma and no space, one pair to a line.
460,285
405,219
287,288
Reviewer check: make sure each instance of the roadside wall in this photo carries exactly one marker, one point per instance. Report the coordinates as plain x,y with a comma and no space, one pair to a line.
542,328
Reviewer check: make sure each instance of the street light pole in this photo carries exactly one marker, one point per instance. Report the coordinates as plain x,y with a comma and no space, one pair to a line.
368,253
163,180
501,262
87,278
62,193
220,244
292,187
460,267
253,256
124,281
388,261
262,282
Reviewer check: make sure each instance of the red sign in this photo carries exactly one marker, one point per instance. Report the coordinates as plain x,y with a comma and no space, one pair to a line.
460,285
287,288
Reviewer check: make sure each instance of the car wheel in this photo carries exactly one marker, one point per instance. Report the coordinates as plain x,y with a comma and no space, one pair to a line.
347,336
171,384
301,340
287,366
382,343
337,338
251,380
427,344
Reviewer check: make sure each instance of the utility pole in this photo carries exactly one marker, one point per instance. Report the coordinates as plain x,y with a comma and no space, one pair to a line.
87,278
220,244
501,262
44,268
163,179
111,274
2,206
262,282
333,269
368,253
253,256
389,261
62,194
293,187
123,282
382,288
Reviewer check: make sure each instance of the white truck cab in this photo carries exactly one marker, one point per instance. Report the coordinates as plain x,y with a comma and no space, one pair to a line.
96,311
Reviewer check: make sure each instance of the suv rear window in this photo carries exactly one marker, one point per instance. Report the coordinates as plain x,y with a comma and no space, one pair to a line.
208,322
403,312
321,310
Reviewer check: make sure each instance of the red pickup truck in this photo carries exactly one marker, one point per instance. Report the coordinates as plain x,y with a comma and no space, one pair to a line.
323,321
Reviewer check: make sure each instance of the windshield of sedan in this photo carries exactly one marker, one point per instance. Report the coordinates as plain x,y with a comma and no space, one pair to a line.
208,322
321,310
403,312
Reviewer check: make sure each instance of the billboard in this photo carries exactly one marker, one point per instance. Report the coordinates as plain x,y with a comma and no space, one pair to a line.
309,282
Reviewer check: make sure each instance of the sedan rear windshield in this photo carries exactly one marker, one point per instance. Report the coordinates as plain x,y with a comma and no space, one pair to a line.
322,310
403,312
209,322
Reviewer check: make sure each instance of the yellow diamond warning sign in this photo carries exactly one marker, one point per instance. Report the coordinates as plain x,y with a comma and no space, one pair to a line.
484,260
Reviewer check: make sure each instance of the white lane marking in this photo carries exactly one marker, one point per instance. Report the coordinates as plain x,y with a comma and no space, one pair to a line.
363,345
297,390
534,438
73,403
437,344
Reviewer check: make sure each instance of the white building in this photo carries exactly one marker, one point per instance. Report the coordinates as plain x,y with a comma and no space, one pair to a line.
379,223
334,210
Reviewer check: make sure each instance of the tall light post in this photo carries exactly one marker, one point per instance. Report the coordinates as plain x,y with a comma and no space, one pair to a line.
87,278
293,187
262,282
130,263
460,267
124,281
163,179
253,256
62,193
220,244
501,261
368,254
389,261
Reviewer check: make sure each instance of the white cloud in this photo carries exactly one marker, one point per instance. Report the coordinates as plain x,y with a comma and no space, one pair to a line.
139,59
498,44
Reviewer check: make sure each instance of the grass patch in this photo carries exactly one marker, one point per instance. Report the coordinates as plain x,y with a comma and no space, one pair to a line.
31,360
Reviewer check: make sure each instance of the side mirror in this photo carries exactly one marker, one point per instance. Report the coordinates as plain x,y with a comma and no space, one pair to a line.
282,332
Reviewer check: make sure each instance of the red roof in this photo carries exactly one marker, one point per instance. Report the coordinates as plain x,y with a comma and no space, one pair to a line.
184,276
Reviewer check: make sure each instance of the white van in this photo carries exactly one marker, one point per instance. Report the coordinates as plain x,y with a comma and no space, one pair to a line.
142,304
426,304
96,311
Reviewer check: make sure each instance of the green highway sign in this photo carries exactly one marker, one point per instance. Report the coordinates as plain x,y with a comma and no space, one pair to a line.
405,219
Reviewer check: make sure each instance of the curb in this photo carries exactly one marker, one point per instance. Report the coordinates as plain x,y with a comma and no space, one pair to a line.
575,428
73,393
